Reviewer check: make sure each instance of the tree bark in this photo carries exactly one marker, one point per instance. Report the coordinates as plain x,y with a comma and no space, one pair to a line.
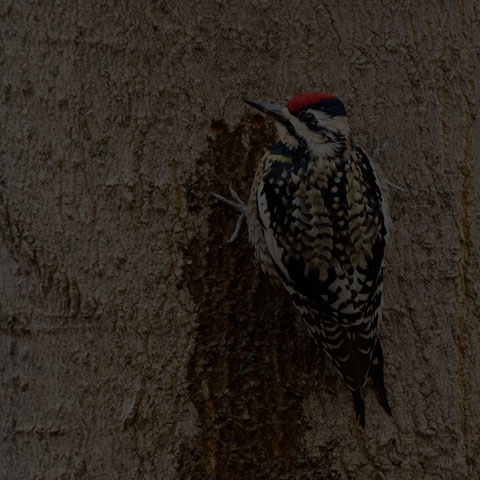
134,342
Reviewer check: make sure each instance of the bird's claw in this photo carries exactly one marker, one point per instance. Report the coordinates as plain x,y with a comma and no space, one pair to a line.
396,187
238,204
378,153
379,150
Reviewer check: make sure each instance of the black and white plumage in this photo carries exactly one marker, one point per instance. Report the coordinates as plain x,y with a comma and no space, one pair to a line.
317,221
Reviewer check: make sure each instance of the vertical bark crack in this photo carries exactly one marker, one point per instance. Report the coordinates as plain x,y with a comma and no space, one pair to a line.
463,291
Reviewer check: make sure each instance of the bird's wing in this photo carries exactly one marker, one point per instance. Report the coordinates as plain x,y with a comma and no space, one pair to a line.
327,251
310,234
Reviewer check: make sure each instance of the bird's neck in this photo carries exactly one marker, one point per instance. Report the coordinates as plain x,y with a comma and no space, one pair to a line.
333,144
336,147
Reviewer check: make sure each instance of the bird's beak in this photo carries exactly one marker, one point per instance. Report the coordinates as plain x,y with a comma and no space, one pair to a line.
271,109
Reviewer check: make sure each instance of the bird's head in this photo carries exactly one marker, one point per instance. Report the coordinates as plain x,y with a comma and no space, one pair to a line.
312,120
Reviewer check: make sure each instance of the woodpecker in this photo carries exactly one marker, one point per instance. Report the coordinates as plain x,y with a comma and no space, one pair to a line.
317,221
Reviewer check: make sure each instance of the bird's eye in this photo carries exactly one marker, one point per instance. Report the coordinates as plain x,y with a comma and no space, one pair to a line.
308,118
310,121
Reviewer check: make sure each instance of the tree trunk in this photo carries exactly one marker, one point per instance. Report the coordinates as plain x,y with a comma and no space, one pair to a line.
134,342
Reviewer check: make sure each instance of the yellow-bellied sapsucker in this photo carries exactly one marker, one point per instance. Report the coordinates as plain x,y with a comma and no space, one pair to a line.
317,221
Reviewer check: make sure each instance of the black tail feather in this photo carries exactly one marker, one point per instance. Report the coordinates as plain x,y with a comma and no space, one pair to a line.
376,373
359,407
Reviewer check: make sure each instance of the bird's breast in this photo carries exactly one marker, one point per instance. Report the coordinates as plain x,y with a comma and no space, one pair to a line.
321,210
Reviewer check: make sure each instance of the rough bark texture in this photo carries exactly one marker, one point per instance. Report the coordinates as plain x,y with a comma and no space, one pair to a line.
134,343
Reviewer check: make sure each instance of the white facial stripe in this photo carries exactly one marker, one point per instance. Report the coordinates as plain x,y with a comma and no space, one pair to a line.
285,136
321,117
336,124
299,127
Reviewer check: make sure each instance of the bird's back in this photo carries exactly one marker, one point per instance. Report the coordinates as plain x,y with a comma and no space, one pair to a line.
318,226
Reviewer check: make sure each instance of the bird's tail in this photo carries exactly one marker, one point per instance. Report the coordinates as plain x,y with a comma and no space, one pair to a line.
359,406
376,373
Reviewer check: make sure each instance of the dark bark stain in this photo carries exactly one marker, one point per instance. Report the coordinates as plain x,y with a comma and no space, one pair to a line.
253,361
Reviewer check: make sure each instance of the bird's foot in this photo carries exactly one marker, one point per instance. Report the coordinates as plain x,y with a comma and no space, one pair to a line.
380,150
378,153
238,204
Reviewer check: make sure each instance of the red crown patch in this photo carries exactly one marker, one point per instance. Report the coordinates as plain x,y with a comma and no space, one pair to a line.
306,99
